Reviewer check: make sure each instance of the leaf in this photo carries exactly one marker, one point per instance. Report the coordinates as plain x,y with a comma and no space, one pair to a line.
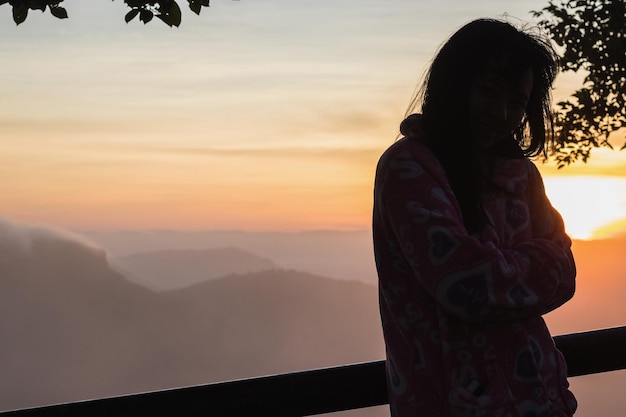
37,5
58,12
145,16
195,7
176,14
171,17
165,19
131,15
20,12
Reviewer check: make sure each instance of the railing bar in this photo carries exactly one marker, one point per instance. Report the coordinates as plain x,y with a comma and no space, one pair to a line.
593,351
311,392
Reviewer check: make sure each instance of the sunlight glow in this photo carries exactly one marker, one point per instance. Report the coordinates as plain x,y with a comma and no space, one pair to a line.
592,206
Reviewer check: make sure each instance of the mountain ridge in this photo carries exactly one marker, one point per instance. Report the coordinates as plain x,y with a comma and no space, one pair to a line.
73,328
168,269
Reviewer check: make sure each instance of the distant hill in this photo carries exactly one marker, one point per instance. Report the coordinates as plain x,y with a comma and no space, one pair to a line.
176,268
73,328
329,253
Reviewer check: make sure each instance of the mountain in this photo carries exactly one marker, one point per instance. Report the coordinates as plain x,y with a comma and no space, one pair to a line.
73,328
335,254
283,321
170,269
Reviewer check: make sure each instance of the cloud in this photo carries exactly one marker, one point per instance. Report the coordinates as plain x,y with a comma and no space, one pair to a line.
20,237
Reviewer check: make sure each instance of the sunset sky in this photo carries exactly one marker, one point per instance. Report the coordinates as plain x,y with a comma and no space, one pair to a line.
256,115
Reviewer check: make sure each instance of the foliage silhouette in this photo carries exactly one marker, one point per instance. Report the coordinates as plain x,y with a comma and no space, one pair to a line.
591,35
167,11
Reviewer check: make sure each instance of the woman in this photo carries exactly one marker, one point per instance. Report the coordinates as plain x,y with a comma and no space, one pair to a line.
470,253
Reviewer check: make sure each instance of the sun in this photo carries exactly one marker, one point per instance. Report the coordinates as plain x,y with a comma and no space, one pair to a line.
592,207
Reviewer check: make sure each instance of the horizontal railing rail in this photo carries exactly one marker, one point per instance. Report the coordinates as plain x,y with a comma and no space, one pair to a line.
311,392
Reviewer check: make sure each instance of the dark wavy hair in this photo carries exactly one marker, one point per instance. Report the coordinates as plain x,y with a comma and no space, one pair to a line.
444,97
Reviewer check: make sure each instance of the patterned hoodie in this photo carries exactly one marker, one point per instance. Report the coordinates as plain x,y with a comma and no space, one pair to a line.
461,313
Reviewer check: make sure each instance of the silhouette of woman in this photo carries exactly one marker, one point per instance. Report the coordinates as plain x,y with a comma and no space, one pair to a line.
469,251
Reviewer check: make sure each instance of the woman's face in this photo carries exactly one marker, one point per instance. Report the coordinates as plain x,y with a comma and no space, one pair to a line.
497,105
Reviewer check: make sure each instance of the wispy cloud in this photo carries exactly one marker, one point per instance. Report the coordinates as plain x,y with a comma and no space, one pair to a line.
19,236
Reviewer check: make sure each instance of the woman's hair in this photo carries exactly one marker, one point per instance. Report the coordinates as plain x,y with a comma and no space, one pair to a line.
444,97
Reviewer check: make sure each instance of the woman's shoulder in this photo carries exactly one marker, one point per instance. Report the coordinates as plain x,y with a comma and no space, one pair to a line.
409,158
525,167
412,143
408,148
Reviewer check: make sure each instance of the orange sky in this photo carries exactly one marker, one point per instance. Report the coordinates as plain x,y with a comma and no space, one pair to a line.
275,127
256,115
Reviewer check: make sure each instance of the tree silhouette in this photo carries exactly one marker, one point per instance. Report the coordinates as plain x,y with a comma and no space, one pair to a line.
166,10
591,36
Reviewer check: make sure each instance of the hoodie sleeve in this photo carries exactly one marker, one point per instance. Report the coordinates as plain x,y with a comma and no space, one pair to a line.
473,280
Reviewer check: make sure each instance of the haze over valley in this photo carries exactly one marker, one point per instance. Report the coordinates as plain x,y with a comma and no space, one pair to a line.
99,314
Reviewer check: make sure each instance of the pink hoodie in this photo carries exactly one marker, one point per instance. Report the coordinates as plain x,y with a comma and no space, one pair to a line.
461,314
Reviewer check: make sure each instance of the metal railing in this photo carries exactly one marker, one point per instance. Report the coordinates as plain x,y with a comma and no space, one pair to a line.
311,392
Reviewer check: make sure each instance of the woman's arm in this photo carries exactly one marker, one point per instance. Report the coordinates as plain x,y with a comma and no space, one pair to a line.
473,280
